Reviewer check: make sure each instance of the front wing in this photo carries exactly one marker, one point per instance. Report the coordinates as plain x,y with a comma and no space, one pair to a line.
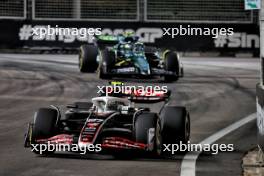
126,71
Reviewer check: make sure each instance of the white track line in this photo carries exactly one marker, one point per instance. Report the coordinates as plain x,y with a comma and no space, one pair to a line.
189,160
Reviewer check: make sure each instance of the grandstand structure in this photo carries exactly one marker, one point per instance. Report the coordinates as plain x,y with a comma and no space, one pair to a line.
193,11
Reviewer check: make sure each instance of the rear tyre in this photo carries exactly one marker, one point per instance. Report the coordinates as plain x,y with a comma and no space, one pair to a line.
171,63
45,125
107,62
87,58
173,127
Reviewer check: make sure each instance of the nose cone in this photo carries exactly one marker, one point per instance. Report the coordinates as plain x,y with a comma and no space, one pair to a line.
143,65
145,71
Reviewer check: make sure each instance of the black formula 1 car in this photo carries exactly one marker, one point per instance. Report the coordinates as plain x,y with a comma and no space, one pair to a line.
124,55
112,124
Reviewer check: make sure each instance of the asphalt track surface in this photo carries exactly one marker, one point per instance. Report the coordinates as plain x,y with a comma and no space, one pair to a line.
217,92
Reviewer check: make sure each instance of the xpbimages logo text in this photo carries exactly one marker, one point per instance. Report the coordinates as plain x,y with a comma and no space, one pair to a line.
51,147
183,30
42,31
189,147
127,89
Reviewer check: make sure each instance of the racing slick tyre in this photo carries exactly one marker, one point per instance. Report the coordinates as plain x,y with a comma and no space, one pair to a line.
143,123
87,58
171,63
45,125
173,127
108,61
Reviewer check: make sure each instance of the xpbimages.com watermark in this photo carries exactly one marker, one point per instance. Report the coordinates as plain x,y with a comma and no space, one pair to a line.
197,31
213,148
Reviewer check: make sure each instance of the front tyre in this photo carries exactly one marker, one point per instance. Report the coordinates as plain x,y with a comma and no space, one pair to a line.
45,125
143,124
107,62
173,127
87,58
171,63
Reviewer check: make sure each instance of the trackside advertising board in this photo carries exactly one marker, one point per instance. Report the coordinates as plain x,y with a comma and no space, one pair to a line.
245,37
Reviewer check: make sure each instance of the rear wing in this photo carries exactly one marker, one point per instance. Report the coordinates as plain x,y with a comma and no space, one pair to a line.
152,98
102,41
137,95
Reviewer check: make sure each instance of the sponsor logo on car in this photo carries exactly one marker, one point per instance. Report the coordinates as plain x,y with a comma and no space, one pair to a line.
125,70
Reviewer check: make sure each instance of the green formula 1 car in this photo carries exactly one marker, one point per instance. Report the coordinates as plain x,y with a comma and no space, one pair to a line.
124,55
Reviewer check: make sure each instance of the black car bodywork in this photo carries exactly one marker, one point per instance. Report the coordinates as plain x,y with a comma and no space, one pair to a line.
118,127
